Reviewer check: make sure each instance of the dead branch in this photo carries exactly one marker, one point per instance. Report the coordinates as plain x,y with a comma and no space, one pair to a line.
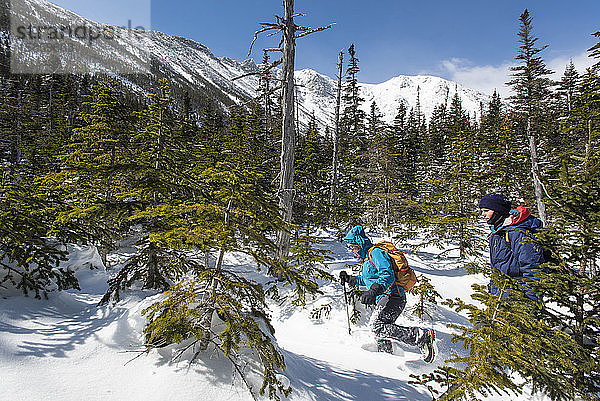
271,66
536,177
314,30
246,75
445,252
276,27
139,353
270,92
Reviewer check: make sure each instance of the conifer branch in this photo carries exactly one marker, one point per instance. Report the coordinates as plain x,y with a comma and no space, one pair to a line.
445,251
237,368
139,354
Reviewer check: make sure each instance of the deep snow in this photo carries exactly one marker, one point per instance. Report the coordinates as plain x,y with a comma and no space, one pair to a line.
67,348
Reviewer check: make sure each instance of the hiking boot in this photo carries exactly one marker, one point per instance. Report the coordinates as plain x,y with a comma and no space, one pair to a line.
427,346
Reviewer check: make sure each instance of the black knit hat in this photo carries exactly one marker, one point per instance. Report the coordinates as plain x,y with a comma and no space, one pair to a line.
496,202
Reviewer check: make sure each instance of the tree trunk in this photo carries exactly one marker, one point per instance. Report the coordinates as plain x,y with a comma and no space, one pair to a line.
209,311
152,268
210,308
51,111
535,172
386,206
288,139
267,100
16,143
336,136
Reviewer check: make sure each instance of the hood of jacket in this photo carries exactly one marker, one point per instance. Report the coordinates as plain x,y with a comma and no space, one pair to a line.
520,219
530,223
357,236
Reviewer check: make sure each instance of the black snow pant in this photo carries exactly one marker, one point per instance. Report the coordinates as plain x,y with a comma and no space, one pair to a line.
387,311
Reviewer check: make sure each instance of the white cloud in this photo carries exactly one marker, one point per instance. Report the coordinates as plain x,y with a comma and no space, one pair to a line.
488,78
558,64
483,78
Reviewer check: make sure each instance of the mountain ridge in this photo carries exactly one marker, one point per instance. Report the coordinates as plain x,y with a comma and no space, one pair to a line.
192,65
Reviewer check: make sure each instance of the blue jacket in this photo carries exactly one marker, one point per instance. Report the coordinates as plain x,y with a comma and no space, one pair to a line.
518,257
382,273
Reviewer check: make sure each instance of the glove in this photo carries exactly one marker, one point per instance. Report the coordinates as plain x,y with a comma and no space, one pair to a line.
368,297
346,278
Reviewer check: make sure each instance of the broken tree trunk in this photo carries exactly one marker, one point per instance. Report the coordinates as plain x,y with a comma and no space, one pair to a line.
288,138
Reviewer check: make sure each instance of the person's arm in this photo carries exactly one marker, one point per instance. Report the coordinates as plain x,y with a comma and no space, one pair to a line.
529,256
385,271
360,281
502,254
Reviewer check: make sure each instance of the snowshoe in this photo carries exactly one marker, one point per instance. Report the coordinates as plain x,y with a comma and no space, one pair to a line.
427,345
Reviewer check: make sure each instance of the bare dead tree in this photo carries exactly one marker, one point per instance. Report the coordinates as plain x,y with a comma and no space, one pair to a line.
336,135
289,31
265,76
535,172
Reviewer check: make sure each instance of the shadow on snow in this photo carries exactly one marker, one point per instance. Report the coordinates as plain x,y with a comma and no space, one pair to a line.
53,328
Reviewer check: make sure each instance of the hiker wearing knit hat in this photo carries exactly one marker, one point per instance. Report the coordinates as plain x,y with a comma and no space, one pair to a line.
497,202
510,251
495,209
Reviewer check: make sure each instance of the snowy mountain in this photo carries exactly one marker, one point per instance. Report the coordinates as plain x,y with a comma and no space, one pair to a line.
316,93
45,38
192,65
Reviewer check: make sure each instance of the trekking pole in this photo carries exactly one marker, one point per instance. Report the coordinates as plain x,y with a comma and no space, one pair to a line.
347,313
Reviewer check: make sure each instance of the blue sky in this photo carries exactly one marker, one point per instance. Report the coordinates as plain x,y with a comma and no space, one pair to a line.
473,41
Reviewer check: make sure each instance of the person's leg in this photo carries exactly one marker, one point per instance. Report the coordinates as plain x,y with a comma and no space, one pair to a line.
387,311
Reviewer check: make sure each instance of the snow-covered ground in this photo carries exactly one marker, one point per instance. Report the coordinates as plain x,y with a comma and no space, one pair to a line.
67,348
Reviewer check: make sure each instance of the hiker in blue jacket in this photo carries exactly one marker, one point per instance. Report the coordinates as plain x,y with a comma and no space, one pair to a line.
510,250
378,277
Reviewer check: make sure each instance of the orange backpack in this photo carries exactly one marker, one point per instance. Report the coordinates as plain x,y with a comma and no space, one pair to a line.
405,275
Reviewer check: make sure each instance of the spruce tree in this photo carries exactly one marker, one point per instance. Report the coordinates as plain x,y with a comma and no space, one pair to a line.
11,137
155,181
30,248
427,298
436,143
91,171
532,94
311,178
502,164
567,86
595,50
353,145
413,151
381,174
572,285
408,142
233,211
450,214
353,117
29,259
